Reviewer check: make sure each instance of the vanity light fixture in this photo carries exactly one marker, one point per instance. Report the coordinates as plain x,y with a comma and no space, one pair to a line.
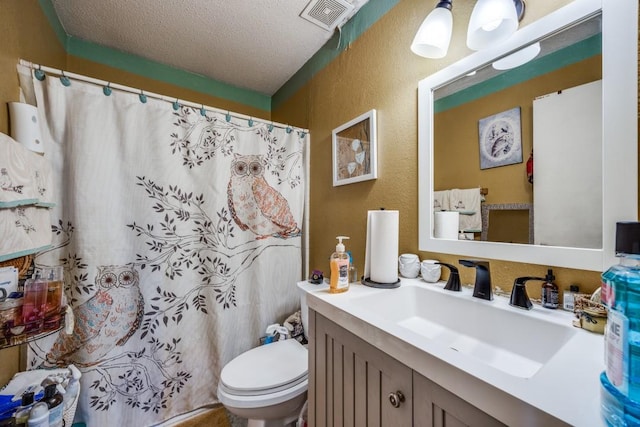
434,35
493,21
517,58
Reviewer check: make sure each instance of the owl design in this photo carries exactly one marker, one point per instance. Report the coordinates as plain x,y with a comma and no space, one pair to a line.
254,204
106,320
6,184
23,221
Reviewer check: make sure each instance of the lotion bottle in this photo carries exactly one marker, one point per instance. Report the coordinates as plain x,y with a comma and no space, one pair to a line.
22,413
339,263
54,400
39,415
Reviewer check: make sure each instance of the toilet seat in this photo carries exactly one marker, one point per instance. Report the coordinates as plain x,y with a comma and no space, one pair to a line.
266,375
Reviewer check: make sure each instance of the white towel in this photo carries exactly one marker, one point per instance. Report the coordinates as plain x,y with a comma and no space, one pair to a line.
441,200
25,176
467,202
24,230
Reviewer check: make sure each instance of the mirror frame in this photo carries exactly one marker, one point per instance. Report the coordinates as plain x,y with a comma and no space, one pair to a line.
619,136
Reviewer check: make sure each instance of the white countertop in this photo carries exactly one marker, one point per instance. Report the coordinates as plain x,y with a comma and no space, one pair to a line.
567,386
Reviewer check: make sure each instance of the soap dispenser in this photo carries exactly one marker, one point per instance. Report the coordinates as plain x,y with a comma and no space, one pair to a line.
549,291
339,263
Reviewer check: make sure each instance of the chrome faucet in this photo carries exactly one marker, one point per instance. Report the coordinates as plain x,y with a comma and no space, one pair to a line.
482,286
519,297
453,283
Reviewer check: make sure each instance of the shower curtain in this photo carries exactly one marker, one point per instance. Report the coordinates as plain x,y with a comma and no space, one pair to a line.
179,230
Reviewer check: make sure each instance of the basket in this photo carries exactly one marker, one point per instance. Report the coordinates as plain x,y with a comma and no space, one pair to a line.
591,315
70,412
22,264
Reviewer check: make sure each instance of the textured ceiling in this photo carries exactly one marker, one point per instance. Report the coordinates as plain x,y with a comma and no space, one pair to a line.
253,44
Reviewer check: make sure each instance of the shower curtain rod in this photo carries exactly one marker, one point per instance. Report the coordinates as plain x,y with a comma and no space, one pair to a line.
99,82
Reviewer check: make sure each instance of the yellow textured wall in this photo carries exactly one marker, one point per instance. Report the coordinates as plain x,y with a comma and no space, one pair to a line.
379,71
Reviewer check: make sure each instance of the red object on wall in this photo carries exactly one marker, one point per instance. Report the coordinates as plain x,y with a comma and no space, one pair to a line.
530,169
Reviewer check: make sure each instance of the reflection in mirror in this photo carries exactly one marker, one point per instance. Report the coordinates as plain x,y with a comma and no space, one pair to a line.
486,126
507,222
575,164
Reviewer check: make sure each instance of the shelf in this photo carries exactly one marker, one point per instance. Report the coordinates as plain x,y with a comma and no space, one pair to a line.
14,337
25,338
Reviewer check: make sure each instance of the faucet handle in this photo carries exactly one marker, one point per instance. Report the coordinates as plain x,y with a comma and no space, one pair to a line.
475,263
519,297
453,283
482,287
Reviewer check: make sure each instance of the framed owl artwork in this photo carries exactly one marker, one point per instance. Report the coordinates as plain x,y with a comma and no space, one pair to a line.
354,150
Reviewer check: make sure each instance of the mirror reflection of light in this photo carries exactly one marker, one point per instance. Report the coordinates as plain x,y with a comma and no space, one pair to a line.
518,58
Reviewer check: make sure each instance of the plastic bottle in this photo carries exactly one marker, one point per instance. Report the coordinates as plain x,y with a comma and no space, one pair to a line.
339,263
54,400
22,412
73,388
39,415
569,297
621,293
33,306
53,304
549,291
353,271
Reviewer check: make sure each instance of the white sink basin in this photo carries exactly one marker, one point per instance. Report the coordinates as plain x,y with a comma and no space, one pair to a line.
516,342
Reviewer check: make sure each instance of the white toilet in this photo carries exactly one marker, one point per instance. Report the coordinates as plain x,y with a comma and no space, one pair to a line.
267,384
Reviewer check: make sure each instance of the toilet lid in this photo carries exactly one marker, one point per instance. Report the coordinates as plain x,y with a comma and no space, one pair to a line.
273,366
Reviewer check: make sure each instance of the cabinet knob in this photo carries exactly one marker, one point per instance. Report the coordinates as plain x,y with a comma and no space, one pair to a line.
396,398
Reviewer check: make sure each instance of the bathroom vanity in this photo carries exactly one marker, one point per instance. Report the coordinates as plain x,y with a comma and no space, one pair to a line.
420,355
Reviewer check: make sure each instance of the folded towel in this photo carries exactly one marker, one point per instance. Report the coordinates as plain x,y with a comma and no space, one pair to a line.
467,202
25,176
441,200
25,230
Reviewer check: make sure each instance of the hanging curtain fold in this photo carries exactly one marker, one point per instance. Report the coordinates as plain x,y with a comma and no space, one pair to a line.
179,230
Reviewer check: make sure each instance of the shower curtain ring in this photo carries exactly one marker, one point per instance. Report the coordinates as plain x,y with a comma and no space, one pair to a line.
203,112
227,117
176,105
270,127
289,130
65,80
143,97
107,89
39,74
250,122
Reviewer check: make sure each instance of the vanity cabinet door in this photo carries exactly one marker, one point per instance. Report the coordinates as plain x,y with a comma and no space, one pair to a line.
352,383
437,407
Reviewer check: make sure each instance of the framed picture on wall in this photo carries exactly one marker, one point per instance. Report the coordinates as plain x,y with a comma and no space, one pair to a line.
500,139
354,150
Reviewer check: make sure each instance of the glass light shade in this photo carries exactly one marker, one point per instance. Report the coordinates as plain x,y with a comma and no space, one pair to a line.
518,58
491,22
434,35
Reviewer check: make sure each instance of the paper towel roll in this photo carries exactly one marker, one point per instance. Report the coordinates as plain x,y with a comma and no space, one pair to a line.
381,258
446,225
25,126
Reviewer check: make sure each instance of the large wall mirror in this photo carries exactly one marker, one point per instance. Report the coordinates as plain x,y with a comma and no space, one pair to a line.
570,110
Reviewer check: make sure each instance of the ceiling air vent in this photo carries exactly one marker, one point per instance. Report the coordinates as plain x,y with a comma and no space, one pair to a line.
327,14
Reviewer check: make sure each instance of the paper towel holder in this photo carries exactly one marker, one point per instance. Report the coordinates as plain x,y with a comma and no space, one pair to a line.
373,284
